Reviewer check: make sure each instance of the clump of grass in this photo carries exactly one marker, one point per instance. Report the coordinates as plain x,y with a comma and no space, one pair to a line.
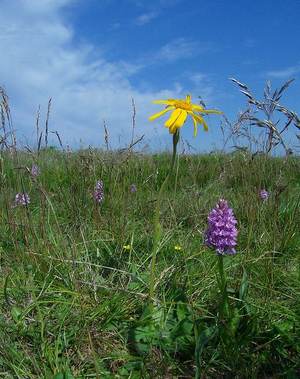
72,297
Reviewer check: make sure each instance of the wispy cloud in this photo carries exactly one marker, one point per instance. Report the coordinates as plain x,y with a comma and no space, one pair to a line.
198,78
145,18
39,47
284,73
249,42
115,26
157,3
250,62
202,85
182,48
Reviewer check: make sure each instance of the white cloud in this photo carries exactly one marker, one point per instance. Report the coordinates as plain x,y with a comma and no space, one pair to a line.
157,3
284,73
39,60
181,48
198,78
42,6
145,18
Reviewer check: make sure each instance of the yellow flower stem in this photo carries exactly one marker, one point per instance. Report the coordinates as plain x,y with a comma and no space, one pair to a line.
176,176
156,221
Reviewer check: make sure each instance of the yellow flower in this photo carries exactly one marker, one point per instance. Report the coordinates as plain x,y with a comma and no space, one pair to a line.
177,248
181,110
127,247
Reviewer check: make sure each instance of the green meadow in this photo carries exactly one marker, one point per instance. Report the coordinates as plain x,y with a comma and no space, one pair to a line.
75,274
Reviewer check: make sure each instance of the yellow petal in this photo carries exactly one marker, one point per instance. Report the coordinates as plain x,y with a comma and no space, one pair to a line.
181,119
200,120
188,99
205,126
166,102
177,118
195,126
197,108
156,115
208,111
172,129
175,114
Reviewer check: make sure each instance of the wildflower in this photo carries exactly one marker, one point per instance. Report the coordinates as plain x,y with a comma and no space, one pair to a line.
180,110
133,188
22,199
177,248
35,171
99,192
222,232
264,194
127,247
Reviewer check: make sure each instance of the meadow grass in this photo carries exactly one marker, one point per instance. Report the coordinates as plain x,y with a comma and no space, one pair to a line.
74,297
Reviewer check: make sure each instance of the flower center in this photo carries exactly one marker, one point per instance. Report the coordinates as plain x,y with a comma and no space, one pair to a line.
183,105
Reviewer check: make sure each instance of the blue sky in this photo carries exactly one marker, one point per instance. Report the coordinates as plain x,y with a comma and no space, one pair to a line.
93,56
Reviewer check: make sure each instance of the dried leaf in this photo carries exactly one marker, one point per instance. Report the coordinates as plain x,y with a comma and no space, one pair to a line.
239,83
284,87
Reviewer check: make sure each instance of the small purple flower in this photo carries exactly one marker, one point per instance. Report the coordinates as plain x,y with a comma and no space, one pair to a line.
35,171
22,199
99,192
133,188
221,233
264,194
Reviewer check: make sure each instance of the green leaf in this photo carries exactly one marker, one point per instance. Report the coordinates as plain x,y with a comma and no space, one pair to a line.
205,336
16,313
244,286
63,375
234,321
60,375
182,311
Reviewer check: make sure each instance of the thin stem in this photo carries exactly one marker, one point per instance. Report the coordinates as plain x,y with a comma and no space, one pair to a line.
223,287
156,221
221,271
